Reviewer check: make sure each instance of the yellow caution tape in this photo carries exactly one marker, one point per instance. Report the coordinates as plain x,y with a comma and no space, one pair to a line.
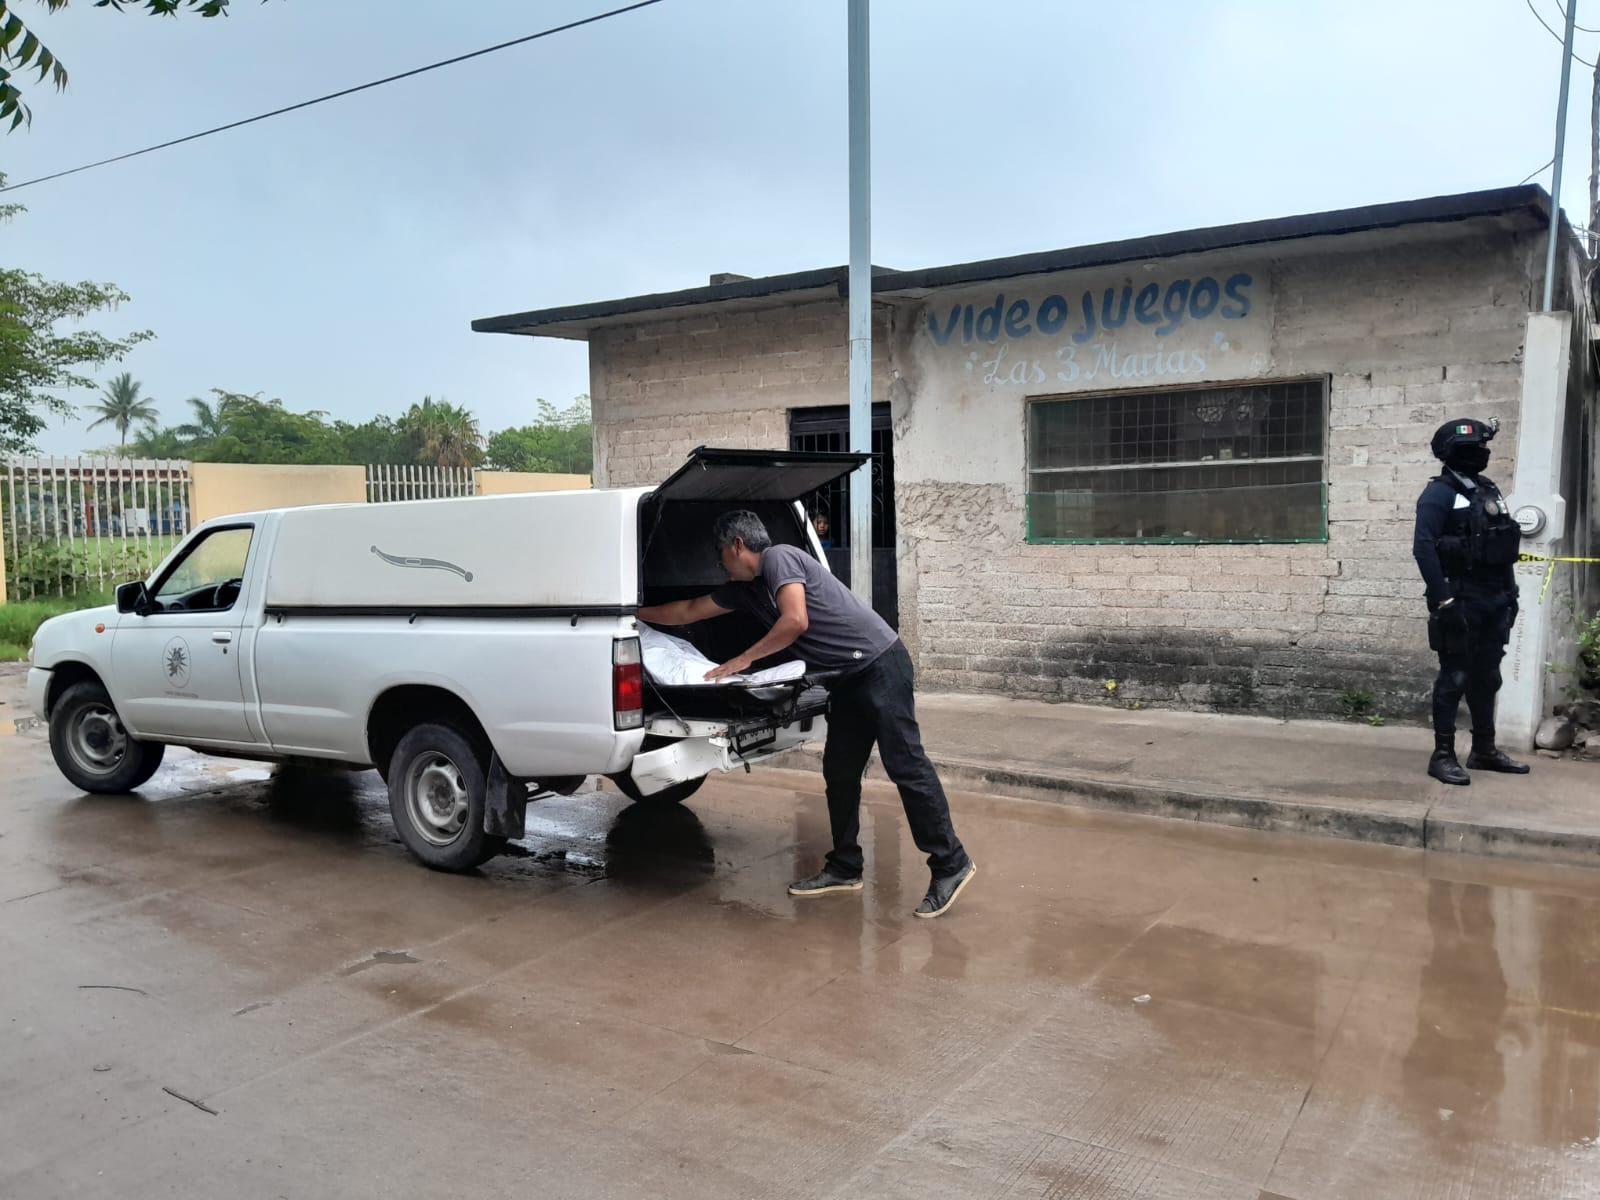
1551,569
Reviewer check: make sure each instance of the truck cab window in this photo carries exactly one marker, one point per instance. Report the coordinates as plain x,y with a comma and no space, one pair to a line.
207,578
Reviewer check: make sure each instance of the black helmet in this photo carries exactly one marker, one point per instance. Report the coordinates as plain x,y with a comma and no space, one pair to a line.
1463,432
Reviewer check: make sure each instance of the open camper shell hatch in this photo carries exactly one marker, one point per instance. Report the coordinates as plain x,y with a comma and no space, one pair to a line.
678,561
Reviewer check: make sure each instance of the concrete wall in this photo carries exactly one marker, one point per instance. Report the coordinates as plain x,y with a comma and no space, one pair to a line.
221,489
505,483
1410,328
1410,331
1573,595
660,389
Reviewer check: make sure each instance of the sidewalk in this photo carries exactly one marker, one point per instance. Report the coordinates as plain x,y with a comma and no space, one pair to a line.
1314,777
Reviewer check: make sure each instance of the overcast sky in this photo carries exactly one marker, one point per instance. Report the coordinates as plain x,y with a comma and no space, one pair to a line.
335,257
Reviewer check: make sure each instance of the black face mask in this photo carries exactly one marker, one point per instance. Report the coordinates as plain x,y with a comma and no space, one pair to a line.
1468,460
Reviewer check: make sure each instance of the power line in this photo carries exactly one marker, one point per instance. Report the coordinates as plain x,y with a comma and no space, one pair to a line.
1575,25
278,112
1553,33
1540,171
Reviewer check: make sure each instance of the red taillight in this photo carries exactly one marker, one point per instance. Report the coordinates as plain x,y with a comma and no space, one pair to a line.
627,683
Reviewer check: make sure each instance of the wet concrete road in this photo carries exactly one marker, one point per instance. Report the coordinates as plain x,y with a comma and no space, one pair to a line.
235,987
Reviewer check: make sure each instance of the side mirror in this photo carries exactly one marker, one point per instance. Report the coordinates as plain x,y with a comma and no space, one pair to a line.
133,598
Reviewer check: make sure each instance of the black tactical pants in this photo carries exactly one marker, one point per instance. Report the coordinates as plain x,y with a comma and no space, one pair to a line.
876,705
1469,661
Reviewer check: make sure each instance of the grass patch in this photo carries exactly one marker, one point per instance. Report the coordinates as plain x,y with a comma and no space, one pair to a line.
42,569
19,621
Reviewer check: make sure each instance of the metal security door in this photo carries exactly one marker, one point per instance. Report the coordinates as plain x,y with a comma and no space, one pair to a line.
829,429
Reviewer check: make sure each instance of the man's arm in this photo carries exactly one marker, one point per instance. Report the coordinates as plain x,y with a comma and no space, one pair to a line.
1432,512
682,612
792,622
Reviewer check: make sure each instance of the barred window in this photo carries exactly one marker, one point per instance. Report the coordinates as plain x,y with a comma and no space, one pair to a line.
1233,463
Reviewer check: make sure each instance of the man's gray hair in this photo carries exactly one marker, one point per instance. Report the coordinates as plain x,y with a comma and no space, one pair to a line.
745,526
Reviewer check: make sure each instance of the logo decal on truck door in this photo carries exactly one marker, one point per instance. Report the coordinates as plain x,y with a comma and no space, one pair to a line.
175,661
433,564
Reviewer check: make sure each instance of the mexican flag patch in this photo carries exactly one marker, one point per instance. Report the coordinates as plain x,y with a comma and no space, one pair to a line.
1464,430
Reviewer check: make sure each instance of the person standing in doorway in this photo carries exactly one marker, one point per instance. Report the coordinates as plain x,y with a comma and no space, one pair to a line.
1465,544
870,702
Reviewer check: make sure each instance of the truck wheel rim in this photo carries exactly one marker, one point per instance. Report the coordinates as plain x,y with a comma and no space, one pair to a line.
436,798
98,742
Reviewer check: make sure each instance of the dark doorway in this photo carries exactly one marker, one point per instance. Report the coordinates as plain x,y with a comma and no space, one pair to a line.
829,429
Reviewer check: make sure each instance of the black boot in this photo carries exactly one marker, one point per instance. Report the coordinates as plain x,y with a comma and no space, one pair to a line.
1444,766
1486,757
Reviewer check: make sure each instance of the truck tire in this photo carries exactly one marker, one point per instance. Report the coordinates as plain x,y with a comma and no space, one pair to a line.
437,791
91,747
676,794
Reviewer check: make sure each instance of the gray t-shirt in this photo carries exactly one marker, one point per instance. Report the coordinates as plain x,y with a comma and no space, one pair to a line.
843,632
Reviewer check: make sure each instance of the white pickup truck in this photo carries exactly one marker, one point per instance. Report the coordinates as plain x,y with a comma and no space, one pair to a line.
473,650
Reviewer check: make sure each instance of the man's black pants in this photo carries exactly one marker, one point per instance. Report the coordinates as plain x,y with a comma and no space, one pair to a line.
876,705
1469,664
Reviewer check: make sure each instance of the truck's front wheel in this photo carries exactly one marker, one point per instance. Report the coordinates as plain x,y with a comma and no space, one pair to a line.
92,748
437,791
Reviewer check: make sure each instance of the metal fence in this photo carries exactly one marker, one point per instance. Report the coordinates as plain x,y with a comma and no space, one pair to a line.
77,525
386,483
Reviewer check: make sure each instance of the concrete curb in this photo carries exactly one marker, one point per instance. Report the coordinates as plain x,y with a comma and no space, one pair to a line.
1563,848
1418,830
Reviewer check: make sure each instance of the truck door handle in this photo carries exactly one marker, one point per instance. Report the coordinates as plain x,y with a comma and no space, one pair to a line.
222,637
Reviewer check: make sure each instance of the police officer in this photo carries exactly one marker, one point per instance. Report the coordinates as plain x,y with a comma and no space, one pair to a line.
1465,545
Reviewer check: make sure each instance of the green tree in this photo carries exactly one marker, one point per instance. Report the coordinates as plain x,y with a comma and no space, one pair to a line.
443,434
264,431
36,359
379,440
560,441
210,421
158,443
21,49
121,406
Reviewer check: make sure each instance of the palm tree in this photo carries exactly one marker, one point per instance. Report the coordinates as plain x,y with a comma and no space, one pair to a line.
210,420
159,443
443,434
122,407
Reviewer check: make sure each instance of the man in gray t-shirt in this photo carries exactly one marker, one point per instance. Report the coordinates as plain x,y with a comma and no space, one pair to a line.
870,701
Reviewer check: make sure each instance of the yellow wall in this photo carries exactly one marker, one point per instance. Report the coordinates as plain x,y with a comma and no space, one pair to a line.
221,489
504,483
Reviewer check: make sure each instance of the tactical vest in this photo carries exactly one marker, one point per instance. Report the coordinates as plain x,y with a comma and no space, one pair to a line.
1481,538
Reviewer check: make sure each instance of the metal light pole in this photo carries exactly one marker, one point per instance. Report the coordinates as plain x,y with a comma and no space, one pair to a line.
1561,139
861,300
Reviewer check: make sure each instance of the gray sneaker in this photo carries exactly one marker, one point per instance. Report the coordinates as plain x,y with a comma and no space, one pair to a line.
823,882
942,893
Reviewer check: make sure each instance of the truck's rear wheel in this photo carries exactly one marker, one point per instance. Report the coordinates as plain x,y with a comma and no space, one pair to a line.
92,748
437,790
676,794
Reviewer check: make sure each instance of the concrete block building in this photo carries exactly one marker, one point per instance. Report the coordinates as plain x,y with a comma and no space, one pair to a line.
1185,463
